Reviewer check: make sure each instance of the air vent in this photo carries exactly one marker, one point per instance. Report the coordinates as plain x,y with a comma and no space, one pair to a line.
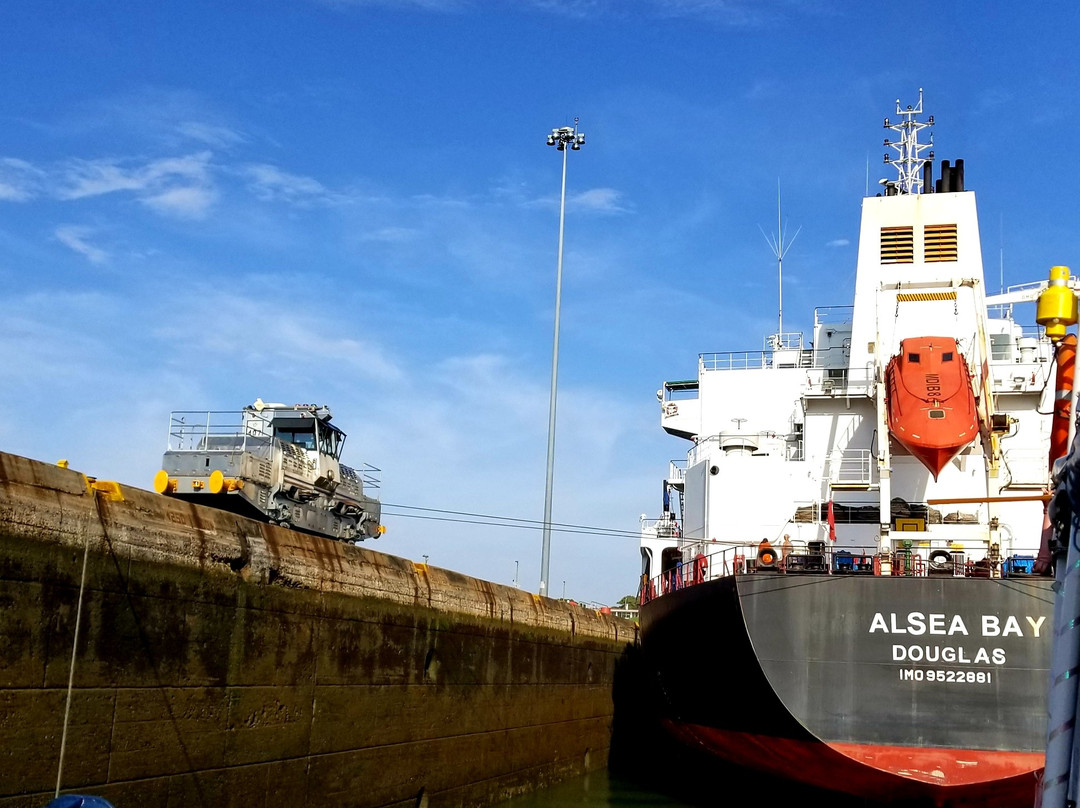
898,245
939,242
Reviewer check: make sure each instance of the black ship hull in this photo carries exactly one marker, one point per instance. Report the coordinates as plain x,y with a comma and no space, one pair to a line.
886,688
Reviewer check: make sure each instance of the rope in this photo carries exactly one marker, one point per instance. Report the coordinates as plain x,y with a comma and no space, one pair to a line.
71,671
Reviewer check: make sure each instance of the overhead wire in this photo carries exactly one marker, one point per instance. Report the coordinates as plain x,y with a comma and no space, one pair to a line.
494,520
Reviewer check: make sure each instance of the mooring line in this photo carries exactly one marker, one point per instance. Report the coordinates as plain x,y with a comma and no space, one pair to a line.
71,670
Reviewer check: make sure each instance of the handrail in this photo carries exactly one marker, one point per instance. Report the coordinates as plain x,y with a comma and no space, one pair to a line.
198,430
733,560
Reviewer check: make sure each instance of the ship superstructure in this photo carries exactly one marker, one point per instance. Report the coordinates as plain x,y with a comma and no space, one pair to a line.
781,433
858,519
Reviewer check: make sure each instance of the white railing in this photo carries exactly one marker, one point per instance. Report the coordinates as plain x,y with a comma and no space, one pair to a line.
789,446
661,528
786,341
841,381
851,467
218,430
736,360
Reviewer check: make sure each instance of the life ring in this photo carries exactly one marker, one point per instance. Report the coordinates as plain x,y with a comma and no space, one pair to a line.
940,561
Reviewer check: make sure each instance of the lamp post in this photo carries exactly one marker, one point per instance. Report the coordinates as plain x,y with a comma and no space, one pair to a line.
561,139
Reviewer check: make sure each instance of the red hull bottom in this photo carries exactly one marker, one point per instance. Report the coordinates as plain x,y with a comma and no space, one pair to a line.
880,773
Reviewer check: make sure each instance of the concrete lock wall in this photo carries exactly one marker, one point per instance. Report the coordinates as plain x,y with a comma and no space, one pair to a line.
225,662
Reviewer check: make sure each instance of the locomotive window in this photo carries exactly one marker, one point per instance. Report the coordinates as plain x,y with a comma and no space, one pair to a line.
329,441
304,438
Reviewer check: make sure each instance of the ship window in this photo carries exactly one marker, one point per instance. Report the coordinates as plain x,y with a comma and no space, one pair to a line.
947,356
897,245
937,414
913,357
939,242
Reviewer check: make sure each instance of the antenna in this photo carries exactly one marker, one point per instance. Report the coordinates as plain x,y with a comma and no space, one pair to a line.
1001,251
910,161
779,249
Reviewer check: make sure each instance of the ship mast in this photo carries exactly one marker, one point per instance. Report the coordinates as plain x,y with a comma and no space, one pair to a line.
909,162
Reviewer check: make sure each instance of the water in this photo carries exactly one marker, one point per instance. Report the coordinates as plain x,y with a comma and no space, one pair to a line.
597,790
700,784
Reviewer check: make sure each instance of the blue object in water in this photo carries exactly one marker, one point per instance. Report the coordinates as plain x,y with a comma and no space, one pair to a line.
79,801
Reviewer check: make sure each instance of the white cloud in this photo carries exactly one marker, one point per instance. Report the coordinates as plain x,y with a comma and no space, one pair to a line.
269,183
390,235
19,180
94,178
190,202
728,12
838,242
177,186
601,200
75,237
427,5
290,339
595,200
220,137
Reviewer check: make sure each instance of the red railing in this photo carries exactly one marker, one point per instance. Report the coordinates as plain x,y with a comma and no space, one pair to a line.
749,560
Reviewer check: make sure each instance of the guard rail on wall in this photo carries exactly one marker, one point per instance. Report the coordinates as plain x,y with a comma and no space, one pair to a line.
756,559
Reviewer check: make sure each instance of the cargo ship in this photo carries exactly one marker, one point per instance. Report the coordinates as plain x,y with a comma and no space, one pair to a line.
845,587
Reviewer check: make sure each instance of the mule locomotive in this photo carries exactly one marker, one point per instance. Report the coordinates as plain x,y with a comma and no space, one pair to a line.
275,462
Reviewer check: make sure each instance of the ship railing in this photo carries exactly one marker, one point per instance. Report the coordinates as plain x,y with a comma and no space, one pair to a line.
707,561
788,445
833,314
840,381
736,360
219,431
664,528
676,471
851,467
785,341
778,356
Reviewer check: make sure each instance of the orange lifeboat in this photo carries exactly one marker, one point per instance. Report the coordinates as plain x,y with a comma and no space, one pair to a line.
930,400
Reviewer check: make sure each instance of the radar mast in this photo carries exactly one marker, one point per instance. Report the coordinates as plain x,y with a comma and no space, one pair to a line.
910,161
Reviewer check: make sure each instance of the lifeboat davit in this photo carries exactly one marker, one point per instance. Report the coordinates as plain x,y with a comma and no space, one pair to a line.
930,400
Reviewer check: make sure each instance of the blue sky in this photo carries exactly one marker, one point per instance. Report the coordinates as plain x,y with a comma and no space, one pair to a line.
352,203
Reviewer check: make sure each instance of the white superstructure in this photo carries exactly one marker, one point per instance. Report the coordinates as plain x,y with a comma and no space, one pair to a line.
780,433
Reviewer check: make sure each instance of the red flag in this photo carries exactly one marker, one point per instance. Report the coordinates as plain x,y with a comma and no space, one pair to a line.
832,522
